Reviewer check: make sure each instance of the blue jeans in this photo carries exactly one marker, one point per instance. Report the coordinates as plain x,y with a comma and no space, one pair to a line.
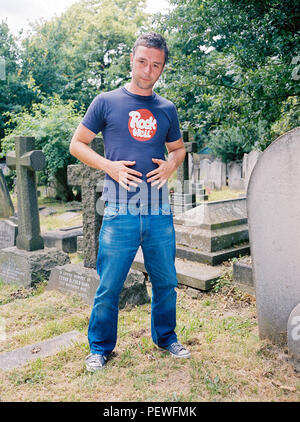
123,230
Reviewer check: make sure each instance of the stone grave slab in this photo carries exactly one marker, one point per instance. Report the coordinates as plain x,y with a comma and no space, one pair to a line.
193,274
75,278
25,268
273,203
63,238
216,231
20,357
242,276
8,233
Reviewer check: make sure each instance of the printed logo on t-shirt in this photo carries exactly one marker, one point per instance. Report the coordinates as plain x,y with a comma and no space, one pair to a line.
142,125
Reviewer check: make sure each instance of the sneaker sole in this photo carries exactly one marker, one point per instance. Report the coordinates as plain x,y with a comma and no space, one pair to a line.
91,369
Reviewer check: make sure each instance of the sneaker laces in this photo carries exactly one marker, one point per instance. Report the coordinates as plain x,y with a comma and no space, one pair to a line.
178,347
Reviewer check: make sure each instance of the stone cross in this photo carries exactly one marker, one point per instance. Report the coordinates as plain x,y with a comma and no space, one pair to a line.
90,180
183,169
26,161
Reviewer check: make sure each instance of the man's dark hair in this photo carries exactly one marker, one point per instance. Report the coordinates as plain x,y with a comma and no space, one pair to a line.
152,40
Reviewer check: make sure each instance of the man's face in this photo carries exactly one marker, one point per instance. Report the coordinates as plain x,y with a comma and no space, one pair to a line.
147,66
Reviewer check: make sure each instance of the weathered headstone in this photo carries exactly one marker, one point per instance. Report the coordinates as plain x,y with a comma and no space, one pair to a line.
218,173
85,281
89,179
242,276
184,198
63,238
205,165
235,180
6,205
27,161
25,268
8,233
273,202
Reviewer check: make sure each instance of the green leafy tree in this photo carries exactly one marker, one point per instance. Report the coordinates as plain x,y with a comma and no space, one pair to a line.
231,69
52,123
84,51
15,90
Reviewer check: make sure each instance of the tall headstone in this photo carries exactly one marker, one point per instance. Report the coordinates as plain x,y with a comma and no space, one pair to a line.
6,205
184,198
205,173
235,180
218,173
90,181
273,204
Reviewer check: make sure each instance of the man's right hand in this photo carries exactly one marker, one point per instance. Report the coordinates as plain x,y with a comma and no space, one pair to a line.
124,175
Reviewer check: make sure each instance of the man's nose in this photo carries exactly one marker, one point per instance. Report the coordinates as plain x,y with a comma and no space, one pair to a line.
148,69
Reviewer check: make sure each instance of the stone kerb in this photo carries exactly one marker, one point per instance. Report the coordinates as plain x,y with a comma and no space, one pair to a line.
273,204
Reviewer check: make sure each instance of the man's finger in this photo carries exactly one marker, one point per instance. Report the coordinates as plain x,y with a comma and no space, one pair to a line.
158,160
157,176
151,173
162,183
128,163
131,171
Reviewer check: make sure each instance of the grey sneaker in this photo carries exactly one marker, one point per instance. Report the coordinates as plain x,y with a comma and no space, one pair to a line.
94,362
177,350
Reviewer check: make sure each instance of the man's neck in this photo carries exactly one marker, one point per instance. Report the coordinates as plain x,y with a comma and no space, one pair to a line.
131,87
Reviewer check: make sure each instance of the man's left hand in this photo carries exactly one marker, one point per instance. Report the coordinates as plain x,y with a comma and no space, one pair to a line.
161,174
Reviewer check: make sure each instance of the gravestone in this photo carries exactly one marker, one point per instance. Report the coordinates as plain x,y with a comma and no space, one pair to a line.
205,165
235,180
8,233
90,181
273,203
218,173
6,205
85,281
184,198
28,262
63,238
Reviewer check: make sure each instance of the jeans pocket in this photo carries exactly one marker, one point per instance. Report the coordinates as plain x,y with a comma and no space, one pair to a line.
110,212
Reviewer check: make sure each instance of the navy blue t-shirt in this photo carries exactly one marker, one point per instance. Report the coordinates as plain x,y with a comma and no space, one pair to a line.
134,128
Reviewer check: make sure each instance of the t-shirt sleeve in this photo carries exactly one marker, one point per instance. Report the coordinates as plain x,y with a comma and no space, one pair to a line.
174,130
94,118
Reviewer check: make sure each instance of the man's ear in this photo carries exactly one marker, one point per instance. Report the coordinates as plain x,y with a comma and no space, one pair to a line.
131,59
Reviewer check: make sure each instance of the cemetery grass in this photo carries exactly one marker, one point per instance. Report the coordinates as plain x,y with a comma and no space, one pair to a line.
229,362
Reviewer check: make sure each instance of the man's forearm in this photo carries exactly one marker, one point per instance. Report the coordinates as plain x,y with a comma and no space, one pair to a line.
176,157
86,155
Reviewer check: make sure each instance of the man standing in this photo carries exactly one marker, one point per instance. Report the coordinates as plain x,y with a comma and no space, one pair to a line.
137,125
